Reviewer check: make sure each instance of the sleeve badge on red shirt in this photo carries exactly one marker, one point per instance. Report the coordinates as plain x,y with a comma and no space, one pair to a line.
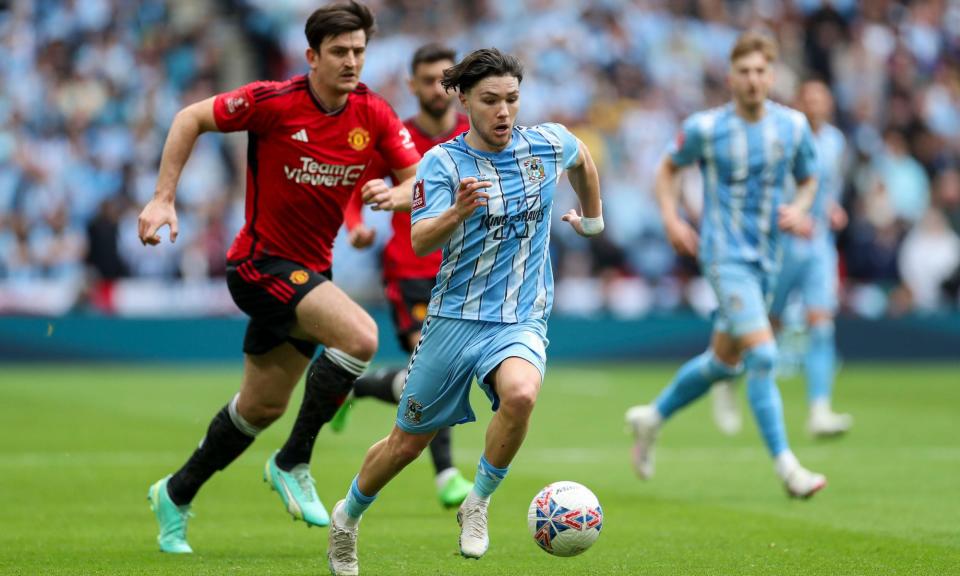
419,197
236,104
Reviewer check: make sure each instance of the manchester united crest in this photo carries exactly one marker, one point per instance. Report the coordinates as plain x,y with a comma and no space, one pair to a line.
534,168
299,277
358,138
419,311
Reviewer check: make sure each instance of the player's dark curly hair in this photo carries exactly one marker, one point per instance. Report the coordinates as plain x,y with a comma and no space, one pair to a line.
478,65
335,19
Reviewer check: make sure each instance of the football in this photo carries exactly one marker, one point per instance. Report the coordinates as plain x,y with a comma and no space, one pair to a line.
565,518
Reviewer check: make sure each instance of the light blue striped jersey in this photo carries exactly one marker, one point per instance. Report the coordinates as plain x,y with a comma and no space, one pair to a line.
496,264
745,166
831,147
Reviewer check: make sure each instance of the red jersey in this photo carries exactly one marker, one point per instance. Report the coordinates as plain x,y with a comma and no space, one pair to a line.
399,259
303,164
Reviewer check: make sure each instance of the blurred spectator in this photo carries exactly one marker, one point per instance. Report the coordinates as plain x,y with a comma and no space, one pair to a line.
903,181
930,255
91,87
103,241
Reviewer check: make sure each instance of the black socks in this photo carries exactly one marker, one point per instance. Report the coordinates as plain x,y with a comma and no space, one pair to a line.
329,379
227,437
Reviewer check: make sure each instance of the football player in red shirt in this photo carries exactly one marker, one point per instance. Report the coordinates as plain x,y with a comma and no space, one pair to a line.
310,139
408,278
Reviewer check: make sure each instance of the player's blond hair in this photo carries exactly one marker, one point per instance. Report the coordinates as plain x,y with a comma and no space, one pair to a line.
750,42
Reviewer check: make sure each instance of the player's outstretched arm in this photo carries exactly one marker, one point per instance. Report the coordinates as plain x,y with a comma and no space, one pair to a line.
585,179
681,234
429,234
187,125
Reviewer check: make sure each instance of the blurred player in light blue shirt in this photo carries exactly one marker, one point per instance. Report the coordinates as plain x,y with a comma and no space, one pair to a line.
810,265
746,151
485,198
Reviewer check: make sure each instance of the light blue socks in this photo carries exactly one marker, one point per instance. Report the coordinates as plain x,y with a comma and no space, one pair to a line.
692,381
764,396
821,363
488,478
357,502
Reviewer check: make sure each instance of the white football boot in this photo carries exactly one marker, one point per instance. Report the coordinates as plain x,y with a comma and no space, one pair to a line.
726,410
644,421
802,483
824,422
472,518
342,546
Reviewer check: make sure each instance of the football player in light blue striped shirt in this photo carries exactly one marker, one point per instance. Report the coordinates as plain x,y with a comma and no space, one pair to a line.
746,151
485,198
810,270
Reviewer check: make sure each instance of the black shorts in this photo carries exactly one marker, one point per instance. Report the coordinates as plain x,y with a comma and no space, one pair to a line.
268,290
408,299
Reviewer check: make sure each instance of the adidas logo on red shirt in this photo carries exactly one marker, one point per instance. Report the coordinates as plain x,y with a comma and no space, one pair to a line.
301,135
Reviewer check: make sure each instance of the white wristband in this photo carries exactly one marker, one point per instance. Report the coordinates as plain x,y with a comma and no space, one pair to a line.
592,226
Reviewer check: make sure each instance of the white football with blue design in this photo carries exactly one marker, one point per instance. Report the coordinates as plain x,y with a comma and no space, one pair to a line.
565,518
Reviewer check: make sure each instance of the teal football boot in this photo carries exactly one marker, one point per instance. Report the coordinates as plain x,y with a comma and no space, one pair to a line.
297,490
171,518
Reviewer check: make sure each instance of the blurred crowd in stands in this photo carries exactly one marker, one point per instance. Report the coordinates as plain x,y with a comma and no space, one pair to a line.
91,86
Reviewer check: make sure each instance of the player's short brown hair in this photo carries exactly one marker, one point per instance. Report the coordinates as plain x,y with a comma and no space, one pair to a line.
335,19
750,42
430,53
478,65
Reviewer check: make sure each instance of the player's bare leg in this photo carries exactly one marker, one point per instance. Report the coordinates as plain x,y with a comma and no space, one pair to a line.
386,384
517,384
719,362
328,316
383,461
388,457
820,367
268,380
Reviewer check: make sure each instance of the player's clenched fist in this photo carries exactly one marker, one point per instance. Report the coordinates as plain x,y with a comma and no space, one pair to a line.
470,196
376,193
795,221
156,214
362,237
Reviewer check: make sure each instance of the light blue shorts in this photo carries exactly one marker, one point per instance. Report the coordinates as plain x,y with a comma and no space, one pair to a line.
743,291
814,275
450,354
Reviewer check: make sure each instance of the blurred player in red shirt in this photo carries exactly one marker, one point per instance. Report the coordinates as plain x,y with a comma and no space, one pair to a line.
310,140
408,278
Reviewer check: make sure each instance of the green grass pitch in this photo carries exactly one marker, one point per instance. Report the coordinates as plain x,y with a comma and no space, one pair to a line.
80,445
